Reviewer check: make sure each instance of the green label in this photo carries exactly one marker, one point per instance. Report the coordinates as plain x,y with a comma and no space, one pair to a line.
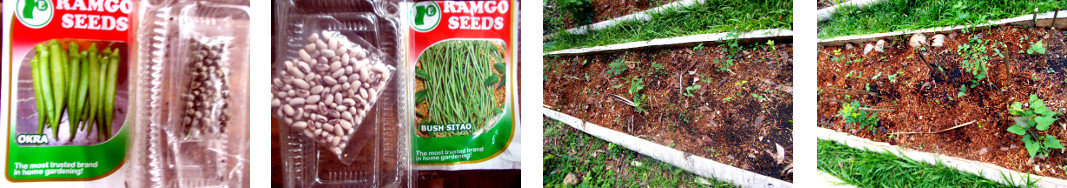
460,149
30,163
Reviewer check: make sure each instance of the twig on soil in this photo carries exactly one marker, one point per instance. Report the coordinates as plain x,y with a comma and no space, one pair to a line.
623,100
935,132
572,77
856,91
546,106
876,109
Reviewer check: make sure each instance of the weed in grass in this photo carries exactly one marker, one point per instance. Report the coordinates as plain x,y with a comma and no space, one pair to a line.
1028,123
861,118
864,168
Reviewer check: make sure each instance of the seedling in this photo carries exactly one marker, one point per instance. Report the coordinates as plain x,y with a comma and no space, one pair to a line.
770,44
689,89
760,98
617,67
742,82
974,59
1038,47
728,99
617,86
1028,123
636,85
854,116
732,48
699,46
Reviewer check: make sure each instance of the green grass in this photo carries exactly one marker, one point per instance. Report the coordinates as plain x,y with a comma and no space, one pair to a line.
870,169
903,15
568,150
714,16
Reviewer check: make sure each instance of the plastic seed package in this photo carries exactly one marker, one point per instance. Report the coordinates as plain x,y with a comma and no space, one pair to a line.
193,87
336,94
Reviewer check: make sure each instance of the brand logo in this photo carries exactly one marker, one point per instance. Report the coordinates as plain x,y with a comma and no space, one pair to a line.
34,13
426,16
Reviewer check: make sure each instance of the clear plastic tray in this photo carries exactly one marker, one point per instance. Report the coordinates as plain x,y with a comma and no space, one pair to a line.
203,159
377,155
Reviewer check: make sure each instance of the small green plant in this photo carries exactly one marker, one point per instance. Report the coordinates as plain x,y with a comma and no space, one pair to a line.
699,47
688,90
1028,123
585,62
732,48
1038,47
728,99
742,82
861,118
617,67
770,44
580,10
617,86
636,85
758,97
974,58
963,91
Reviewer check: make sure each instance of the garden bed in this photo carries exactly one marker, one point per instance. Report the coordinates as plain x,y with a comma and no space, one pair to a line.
738,118
919,90
601,10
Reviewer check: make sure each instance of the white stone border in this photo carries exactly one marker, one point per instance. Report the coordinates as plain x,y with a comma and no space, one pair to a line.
825,13
692,163
641,16
1043,20
677,41
986,170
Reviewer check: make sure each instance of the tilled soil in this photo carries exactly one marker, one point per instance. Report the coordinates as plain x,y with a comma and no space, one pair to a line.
725,120
924,94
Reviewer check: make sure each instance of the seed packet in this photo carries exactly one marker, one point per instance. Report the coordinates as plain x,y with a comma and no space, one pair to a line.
336,94
68,92
463,58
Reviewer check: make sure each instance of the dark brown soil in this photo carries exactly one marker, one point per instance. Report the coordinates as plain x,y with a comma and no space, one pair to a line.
741,131
924,98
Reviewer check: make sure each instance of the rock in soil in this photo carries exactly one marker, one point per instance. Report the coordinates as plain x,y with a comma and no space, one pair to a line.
880,46
983,151
868,48
849,46
917,40
570,179
938,40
